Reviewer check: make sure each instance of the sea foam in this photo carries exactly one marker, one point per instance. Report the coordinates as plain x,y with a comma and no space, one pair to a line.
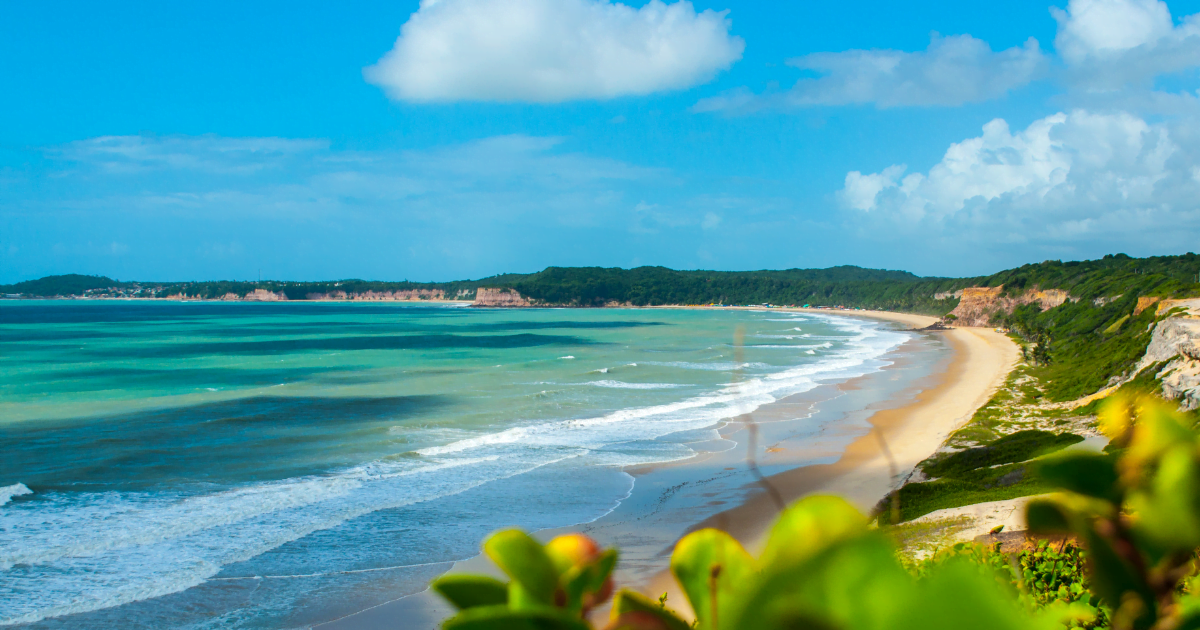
15,490
88,551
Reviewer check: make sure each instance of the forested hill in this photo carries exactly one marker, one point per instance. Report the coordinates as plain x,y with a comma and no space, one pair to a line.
1111,276
74,285
647,286
1167,276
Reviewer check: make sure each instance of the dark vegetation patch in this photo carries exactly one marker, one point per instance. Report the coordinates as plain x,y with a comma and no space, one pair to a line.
996,471
1016,447
976,486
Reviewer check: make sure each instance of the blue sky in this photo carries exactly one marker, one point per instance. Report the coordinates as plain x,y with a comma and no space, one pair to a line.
461,138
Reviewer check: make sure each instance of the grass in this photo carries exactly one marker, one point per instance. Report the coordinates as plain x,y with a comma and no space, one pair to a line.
1015,447
915,541
981,485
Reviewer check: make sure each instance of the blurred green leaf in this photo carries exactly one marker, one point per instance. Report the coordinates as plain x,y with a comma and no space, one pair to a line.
713,570
1047,517
850,583
584,582
627,601
526,562
809,525
1113,578
1089,474
1169,510
504,618
469,591
958,596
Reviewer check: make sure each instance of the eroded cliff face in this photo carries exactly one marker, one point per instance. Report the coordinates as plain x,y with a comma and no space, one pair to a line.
1175,347
263,295
500,298
977,304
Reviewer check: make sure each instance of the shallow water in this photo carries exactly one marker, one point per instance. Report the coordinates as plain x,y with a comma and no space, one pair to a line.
237,465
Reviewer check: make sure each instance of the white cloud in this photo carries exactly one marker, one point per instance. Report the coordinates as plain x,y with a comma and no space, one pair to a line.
861,190
205,153
497,180
1098,27
1111,43
1067,176
550,51
952,71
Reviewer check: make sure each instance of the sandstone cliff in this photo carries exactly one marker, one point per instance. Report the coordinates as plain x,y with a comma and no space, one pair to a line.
500,298
263,295
976,305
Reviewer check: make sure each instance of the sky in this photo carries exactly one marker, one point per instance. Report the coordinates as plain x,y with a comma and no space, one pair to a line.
453,139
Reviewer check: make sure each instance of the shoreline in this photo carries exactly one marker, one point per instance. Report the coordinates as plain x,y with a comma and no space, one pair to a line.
863,474
851,466
68,298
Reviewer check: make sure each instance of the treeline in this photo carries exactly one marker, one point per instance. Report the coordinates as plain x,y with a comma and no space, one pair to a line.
652,286
1114,277
1111,276
75,285
69,284
1107,277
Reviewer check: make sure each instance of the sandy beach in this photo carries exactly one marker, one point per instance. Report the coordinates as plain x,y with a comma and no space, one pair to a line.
864,474
913,417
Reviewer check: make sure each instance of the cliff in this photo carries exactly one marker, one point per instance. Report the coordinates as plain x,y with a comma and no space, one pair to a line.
976,305
503,298
1175,348
263,295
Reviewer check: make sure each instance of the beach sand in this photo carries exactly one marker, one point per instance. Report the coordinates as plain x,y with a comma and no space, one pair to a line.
715,488
863,475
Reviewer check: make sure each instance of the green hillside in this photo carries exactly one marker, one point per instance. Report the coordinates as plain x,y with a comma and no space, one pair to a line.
66,285
651,286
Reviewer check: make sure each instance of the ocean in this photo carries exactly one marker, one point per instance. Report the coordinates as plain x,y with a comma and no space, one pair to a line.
241,465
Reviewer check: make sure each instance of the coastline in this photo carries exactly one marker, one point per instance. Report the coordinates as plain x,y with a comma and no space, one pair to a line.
73,298
852,465
863,474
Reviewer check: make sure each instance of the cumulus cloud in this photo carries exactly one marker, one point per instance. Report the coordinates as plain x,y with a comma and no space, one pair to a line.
951,71
1071,175
550,51
1111,43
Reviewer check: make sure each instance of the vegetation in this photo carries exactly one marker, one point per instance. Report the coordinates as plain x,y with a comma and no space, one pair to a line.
650,286
1118,278
1080,346
70,284
995,471
1127,527
1015,447
977,485
1113,275
76,285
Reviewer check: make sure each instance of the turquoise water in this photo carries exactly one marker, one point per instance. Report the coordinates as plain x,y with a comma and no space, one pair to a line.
204,465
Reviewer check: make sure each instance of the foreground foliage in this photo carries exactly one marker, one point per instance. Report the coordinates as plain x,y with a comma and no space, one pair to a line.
1128,525
1137,510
